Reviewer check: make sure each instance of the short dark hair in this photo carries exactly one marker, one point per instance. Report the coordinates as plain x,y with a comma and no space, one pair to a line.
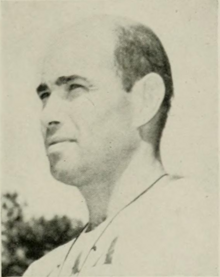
138,52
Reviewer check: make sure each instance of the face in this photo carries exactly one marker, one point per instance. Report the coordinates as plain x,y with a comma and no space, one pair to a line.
86,115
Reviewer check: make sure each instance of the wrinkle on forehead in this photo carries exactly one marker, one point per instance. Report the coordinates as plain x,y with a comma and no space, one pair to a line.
101,28
75,50
92,40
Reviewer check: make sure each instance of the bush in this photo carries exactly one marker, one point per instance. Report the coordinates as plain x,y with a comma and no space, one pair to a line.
26,241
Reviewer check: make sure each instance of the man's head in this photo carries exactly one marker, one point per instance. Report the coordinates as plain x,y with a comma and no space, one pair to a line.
102,98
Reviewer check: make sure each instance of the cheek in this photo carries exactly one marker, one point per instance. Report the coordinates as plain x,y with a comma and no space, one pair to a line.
82,112
100,118
85,117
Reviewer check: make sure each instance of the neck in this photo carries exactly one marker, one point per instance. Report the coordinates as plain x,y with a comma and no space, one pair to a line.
107,197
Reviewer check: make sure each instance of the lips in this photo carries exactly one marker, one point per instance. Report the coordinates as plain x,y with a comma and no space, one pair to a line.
56,141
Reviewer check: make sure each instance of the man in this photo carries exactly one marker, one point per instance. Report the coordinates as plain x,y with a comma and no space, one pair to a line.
106,91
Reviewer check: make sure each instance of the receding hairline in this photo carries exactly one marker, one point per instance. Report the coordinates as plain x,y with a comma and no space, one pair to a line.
103,28
94,25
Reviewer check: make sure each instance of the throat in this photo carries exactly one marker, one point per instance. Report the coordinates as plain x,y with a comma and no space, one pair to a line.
104,199
97,197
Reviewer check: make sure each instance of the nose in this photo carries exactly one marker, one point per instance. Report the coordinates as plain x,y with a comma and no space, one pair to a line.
52,127
52,115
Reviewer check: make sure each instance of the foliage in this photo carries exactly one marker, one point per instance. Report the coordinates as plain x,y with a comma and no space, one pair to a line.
26,241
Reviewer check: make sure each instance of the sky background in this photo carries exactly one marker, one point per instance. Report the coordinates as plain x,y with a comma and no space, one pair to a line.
187,29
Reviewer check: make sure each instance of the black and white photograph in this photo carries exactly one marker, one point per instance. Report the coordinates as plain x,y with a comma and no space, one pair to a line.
109,138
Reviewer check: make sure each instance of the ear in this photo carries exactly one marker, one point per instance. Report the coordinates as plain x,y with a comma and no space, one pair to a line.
148,94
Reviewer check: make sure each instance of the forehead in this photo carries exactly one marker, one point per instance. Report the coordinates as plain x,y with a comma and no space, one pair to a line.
83,53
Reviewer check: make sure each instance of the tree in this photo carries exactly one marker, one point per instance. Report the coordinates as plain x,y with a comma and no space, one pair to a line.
26,241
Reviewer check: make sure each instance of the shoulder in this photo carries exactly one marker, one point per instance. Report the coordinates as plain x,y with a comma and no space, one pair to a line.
184,197
189,195
51,261
193,204
174,230
177,198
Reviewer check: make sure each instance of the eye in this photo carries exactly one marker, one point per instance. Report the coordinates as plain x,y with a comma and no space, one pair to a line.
75,86
75,90
44,95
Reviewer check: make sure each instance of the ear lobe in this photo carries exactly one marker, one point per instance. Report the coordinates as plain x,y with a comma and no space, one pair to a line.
149,93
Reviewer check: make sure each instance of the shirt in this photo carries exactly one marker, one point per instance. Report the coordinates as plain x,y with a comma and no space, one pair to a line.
167,229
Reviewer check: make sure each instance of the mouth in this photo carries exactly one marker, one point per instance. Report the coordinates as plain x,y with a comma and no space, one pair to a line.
60,141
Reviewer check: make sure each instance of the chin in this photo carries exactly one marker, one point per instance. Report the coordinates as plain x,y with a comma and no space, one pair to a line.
69,168
62,177
68,175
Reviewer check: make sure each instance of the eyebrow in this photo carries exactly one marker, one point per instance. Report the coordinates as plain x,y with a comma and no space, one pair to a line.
61,81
